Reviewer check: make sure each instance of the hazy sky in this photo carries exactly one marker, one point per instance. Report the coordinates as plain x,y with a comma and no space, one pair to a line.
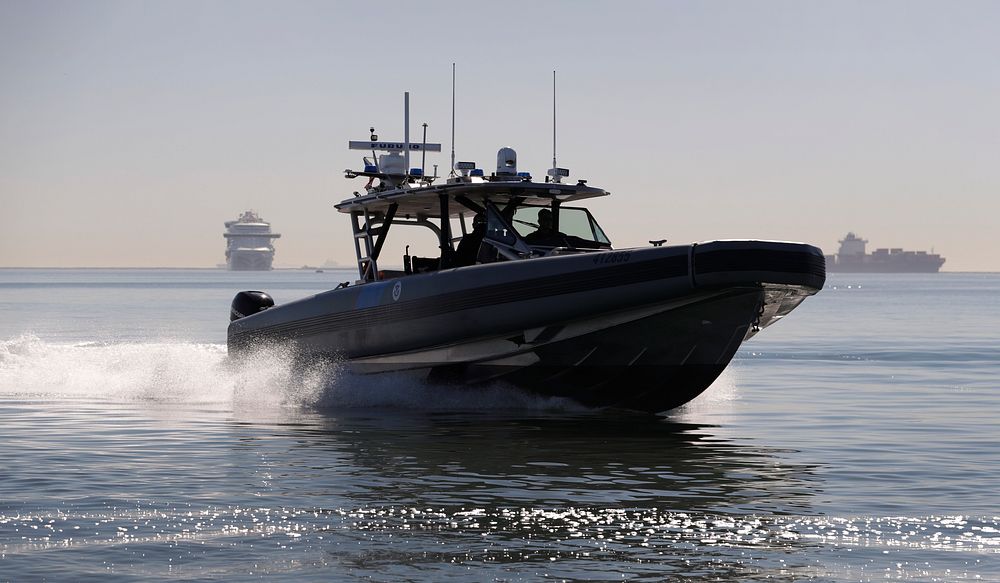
130,131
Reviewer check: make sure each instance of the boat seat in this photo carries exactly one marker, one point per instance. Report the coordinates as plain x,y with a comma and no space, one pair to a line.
424,264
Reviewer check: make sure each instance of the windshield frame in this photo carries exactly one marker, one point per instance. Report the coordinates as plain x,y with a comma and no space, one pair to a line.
584,233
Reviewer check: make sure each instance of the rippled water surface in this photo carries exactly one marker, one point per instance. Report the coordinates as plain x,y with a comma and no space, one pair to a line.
854,441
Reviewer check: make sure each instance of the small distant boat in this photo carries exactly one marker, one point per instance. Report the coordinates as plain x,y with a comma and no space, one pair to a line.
534,294
852,258
249,244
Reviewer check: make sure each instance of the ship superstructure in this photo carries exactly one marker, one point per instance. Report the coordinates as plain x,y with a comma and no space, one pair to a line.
852,258
249,243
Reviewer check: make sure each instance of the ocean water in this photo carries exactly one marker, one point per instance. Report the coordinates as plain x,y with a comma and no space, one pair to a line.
856,440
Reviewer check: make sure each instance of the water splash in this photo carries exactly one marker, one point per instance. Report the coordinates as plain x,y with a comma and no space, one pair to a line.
196,373
166,372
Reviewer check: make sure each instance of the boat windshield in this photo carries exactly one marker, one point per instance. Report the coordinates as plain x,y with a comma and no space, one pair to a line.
573,222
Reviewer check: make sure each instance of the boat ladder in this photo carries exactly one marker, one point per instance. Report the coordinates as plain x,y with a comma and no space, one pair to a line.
364,245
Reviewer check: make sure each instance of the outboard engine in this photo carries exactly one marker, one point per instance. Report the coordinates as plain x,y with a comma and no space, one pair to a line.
248,303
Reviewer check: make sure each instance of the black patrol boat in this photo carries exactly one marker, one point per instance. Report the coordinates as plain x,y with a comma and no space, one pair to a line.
534,294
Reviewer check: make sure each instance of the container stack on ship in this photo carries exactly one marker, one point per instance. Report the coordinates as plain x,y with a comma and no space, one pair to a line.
852,258
249,243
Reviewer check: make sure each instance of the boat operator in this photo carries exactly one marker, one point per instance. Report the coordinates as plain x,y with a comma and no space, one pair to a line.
468,248
545,234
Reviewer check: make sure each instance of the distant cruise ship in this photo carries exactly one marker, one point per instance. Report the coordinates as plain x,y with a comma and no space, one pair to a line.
851,258
249,243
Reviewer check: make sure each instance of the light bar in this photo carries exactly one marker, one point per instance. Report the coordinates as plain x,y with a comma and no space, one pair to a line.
392,146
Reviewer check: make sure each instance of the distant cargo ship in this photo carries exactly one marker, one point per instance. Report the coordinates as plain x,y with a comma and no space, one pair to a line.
851,258
249,243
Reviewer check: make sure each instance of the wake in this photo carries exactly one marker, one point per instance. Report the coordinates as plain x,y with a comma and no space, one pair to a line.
203,374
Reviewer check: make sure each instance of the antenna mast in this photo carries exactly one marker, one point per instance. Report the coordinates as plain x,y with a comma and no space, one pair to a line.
452,173
406,131
554,165
555,173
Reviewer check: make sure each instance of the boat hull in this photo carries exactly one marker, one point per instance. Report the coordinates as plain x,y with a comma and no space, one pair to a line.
655,362
646,329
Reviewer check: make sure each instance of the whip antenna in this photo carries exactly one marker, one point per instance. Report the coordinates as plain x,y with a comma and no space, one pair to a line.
452,173
556,173
406,132
554,165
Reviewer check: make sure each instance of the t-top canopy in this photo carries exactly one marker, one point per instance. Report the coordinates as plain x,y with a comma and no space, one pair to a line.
425,201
